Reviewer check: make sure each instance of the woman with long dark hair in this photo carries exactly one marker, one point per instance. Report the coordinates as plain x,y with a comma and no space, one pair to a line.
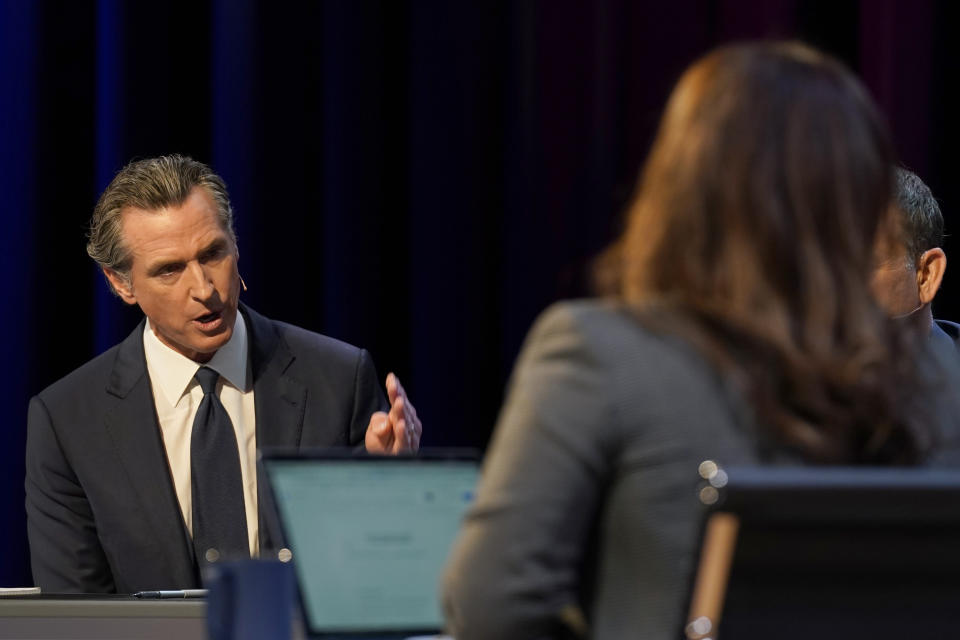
740,329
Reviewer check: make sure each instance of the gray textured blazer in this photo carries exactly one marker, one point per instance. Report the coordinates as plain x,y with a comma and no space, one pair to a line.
586,515
102,511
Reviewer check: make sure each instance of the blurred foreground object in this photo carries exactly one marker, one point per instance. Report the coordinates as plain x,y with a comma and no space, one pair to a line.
740,328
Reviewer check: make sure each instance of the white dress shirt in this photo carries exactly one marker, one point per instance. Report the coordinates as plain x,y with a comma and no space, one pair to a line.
177,395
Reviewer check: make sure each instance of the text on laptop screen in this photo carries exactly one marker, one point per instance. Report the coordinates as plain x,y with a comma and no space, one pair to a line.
370,538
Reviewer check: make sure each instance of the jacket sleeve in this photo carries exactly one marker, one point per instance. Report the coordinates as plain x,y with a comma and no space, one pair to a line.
516,570
65,551
368,398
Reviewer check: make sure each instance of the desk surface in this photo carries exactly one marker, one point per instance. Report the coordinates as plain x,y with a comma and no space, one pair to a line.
50,617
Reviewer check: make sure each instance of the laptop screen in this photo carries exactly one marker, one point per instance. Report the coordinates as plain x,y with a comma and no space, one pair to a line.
370,536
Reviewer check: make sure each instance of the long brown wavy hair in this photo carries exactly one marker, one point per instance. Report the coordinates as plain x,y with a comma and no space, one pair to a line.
754,220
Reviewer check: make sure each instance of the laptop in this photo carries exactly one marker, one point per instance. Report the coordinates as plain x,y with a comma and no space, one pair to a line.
815,552
370,535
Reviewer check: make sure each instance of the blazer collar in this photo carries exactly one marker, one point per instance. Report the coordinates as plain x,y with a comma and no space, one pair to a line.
130,366
940,339
280,398
269,354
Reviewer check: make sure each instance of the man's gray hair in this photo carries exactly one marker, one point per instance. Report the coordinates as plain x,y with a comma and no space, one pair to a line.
150,184
920,214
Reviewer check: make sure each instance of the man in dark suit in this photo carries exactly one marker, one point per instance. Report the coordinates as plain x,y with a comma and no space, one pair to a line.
910,265
141,463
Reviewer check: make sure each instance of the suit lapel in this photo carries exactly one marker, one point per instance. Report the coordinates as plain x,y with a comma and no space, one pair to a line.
132,423
280,399
280,403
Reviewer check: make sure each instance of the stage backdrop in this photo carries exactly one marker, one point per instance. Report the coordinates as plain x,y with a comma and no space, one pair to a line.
418,178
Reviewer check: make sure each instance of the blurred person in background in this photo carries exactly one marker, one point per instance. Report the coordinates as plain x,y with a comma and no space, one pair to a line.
909,263
741,329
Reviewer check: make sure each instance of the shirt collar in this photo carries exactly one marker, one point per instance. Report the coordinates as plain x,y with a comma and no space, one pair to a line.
173,372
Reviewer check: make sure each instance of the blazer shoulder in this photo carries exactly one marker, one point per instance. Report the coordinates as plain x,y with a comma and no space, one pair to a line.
592,320
90,376
952,329
645,371
310,345
613,333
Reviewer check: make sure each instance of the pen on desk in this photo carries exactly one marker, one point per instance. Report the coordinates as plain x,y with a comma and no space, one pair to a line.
171,595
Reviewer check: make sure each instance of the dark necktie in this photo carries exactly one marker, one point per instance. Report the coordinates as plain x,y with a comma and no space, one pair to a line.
219,519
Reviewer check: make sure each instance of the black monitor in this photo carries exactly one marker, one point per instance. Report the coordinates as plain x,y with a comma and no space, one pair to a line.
820,553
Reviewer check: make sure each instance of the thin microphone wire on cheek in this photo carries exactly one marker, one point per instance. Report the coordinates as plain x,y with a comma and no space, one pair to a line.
897,317
910,313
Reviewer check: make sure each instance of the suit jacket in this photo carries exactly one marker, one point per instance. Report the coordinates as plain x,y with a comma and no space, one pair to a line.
586,513
102,512
945,335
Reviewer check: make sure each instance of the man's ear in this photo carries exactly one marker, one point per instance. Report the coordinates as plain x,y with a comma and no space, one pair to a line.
930,269
121,285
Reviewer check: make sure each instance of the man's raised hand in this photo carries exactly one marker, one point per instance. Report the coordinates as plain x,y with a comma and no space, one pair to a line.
397,431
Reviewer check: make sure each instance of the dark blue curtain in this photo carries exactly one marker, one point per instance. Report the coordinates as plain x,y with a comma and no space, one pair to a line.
418,178
18,60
